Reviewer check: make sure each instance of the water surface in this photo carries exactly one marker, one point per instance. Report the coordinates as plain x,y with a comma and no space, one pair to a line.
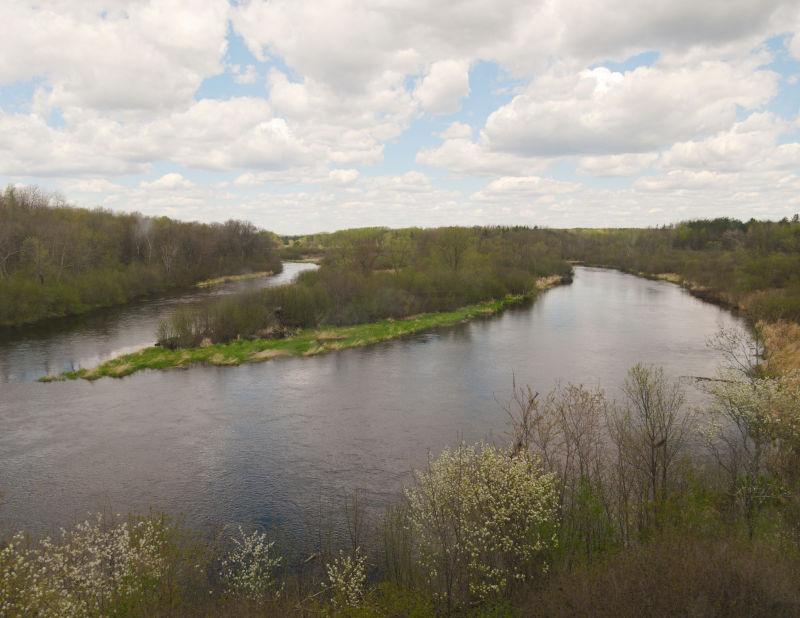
67,344
267,443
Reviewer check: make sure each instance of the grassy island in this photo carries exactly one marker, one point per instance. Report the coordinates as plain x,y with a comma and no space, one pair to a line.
304,342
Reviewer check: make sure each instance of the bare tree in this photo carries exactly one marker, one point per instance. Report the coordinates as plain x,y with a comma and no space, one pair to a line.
651,431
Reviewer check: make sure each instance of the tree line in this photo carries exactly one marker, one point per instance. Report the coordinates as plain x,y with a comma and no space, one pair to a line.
58,260
753,264
376,273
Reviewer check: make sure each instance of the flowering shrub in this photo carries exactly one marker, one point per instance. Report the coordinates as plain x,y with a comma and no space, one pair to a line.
754,429
91,567
348,578
484,521
248,570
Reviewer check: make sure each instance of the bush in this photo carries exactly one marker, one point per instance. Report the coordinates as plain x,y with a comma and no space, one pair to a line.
93,568
248,571
485,522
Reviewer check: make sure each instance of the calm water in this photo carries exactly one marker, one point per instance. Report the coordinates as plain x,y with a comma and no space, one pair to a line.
268,443
68,344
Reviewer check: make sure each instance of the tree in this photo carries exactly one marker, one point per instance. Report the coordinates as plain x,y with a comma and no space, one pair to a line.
650,431
485,522
567,432
751,421
453,243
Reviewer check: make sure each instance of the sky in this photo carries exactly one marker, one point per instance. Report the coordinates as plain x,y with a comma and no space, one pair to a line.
306,116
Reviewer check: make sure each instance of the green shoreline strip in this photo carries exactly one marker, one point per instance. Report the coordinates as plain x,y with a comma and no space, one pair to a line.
227,279
306,342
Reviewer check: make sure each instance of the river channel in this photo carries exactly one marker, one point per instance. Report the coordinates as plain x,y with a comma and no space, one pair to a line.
269,443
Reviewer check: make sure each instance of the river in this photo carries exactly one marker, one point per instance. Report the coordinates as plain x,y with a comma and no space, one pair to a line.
67,344
269,443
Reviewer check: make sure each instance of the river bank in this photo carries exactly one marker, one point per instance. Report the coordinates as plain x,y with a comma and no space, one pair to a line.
303,342
780,338
229,278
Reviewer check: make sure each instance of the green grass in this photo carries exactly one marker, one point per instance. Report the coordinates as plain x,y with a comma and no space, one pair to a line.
229,278
306,342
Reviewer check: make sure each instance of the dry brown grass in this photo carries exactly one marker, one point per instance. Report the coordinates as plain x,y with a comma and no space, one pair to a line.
268,354
328,335
782,340
121,370
671,277
221,359
545,283
681,576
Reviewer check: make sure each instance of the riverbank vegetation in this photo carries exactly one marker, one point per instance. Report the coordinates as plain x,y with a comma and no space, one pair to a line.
374,274
591,506
58,260
753,266
301,342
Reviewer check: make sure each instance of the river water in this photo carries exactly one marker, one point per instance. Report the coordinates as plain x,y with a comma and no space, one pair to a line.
269,443
68,344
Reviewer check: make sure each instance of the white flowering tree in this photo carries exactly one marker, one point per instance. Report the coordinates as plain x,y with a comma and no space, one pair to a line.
92,567
751,421
248,571
484,522
347,577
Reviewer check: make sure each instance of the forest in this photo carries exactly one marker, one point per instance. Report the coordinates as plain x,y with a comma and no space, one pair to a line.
58,260
371,274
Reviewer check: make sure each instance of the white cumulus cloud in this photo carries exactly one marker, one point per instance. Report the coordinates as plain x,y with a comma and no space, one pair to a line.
446,83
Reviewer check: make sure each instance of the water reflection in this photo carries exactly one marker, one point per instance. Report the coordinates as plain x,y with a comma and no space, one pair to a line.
68,344
268,442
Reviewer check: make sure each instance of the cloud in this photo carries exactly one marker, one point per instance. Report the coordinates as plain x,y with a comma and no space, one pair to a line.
464,157
250,75
97,185
457,130
747,144
132,57
117,86
442,89
599,112
526,187
168,182
343,177
628,164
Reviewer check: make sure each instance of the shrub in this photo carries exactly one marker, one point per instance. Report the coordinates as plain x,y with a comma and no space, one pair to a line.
248,572
347,575
485,522
93,567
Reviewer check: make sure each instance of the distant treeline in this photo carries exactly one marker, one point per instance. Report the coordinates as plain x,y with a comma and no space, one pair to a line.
374,273
59,260
753,264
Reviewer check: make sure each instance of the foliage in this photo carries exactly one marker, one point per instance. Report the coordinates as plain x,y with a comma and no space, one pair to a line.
678,574
347,577
371,274
484,522
248,571
93,567
752,423
59,260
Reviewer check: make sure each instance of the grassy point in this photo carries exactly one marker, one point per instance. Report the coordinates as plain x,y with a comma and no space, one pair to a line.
306,342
